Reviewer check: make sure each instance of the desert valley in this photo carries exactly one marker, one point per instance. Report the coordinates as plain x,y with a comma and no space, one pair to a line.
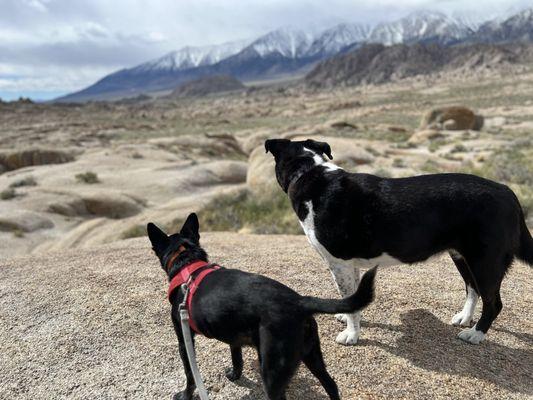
77,175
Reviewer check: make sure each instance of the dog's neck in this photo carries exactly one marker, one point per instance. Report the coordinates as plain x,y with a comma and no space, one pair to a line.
174,263
302,169
297,175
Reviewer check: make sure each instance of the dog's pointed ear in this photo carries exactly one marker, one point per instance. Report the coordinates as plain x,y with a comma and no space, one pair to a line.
191,228
319,147
158,238
275,145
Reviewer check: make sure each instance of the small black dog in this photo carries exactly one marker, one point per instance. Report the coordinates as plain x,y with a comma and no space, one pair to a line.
240,309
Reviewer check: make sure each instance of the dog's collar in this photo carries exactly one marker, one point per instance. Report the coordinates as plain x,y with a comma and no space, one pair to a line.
171,260
297,175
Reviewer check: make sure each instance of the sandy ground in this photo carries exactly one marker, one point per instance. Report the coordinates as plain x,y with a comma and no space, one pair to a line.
95,324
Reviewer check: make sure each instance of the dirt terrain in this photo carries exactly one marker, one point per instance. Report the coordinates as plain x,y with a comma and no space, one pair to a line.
94,323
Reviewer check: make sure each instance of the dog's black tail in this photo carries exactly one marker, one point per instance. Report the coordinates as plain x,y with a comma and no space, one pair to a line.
525,252
357,301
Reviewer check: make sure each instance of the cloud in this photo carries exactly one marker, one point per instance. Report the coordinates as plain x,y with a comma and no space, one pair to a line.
64,45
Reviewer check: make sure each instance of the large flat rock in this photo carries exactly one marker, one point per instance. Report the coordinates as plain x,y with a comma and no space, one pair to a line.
94,323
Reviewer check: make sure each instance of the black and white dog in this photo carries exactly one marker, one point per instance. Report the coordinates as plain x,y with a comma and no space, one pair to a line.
243,309
357,220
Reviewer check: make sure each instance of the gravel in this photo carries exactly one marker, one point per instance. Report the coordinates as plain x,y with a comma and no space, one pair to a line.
95,324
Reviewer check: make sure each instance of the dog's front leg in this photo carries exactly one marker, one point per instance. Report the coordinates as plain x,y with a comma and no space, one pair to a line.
346,277
190,386
236,358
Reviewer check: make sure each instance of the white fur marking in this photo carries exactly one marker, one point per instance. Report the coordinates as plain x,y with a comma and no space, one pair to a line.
464,318
471,335
330,166
345,274
319,160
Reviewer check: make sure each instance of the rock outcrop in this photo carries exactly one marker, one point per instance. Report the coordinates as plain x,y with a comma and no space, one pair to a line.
15,159
455,118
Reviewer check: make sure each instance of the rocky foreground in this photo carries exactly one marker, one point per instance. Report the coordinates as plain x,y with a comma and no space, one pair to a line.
95,323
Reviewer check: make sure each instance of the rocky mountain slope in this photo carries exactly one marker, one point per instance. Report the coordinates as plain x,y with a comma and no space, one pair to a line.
377,63
208,85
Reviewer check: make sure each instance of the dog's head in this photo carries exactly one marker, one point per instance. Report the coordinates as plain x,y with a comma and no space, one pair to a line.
293,156
179,249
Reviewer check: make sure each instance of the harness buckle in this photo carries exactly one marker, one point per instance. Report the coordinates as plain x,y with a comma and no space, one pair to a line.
183,305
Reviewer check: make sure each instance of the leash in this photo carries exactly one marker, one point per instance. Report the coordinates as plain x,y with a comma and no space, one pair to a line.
189,347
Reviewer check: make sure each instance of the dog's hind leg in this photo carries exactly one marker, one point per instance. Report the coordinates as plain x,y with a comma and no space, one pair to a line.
235,372
346,277
465,317
488,276
314,361
280,348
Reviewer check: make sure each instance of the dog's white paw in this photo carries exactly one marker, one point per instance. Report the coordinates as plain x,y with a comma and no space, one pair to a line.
341,318
461,319
347,337
471,335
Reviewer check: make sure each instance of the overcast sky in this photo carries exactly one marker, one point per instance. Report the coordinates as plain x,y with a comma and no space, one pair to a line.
52,47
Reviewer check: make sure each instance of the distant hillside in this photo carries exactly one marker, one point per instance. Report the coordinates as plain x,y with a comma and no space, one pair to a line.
376,63
208,85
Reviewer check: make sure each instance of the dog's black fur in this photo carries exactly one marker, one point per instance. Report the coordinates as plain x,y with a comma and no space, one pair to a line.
240,308
411,219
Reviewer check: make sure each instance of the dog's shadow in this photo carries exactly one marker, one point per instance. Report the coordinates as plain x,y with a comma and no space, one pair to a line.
300,387
430,344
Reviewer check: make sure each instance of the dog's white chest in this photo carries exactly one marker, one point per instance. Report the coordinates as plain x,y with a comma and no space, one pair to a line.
308,225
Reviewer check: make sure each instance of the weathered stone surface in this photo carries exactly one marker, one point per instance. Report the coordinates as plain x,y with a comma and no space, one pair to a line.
22,220
261,177
10,160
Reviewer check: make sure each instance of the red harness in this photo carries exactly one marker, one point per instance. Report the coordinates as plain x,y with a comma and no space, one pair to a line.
185,276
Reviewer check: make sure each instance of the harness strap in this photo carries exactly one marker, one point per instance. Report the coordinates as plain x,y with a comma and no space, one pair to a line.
193,287
185,276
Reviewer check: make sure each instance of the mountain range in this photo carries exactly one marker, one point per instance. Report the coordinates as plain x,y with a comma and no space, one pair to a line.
293,52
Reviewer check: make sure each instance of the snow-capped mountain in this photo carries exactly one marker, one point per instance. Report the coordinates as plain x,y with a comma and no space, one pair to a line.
333,40
422,26
278,53
518,27
287,42
190,57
